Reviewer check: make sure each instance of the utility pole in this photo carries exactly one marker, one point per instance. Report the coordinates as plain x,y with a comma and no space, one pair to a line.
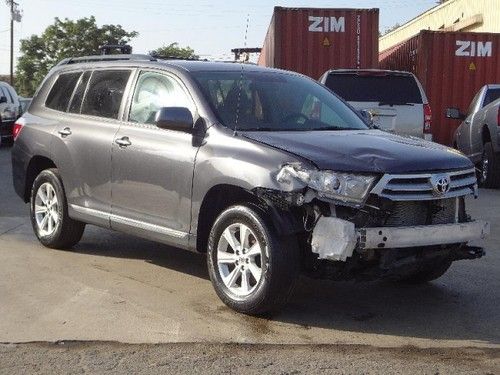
15,15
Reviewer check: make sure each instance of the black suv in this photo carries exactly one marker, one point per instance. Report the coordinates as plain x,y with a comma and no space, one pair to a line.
266,171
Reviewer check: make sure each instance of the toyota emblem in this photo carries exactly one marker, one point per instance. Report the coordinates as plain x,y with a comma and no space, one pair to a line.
440,184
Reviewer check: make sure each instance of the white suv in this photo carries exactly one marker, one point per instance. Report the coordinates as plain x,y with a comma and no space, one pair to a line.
393,100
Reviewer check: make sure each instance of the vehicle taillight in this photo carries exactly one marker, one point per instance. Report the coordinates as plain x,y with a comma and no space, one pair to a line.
17,129
427,119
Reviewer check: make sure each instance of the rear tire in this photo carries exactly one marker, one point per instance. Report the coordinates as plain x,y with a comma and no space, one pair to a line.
489,173
426,274
49,212
244,244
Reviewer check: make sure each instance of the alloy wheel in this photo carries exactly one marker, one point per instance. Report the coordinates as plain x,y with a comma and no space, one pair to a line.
46,209
239,259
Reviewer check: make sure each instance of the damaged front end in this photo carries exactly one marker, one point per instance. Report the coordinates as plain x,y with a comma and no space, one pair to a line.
357,226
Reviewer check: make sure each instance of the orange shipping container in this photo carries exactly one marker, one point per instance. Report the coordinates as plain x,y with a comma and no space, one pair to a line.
452,67
311,41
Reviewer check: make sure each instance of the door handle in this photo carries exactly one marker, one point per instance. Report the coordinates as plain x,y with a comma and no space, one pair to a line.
65,132
123,142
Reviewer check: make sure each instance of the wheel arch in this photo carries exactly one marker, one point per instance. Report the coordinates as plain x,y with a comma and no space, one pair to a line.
485,134
36,164
222,196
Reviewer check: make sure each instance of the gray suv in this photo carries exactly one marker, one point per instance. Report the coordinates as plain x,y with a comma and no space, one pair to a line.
266,171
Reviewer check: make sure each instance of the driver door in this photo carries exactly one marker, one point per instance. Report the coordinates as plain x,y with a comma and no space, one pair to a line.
153,168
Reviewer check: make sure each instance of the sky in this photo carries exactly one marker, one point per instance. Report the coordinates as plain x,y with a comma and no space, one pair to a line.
210,27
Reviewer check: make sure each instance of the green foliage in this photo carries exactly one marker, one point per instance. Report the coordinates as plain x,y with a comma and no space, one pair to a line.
64,38
392,28
173,50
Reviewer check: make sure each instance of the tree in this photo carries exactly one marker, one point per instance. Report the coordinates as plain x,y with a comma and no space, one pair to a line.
173,50
64,38
392,28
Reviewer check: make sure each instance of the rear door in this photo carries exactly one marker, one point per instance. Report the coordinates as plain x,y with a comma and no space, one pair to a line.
86,107
394,100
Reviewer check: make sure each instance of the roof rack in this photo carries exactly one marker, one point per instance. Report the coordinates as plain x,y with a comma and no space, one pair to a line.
167,57
95,58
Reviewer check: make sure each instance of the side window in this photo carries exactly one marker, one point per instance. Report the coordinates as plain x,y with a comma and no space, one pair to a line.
105,93
154,91
61,91
76,101
11,97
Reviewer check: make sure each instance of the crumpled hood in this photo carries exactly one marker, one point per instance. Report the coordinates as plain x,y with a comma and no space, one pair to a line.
364,151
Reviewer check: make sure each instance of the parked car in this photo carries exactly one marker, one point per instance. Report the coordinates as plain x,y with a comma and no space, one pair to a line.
24,104
265,171
477,136
9,110
395,100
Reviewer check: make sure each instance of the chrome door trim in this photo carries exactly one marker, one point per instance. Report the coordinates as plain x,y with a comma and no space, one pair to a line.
131,222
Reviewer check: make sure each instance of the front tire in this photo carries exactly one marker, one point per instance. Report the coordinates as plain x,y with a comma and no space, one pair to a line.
49,212
426,274
489,173
253,271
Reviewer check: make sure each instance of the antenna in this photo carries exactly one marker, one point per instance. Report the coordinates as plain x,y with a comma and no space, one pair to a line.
241,78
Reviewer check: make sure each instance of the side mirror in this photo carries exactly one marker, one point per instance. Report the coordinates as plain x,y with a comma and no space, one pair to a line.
3,99
367,116
175,118
454,114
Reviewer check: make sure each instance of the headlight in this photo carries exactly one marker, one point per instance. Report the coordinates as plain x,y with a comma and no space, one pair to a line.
345,187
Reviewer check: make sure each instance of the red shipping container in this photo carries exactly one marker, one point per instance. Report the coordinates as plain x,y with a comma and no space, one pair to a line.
452,67
311,41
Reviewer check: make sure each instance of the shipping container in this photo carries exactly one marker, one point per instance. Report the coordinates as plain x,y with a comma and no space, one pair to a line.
311,41
452,67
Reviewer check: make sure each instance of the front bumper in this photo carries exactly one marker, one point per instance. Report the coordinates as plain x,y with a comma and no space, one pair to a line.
425,235
336,239
6,127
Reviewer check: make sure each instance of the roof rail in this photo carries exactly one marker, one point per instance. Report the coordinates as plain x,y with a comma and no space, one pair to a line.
95,58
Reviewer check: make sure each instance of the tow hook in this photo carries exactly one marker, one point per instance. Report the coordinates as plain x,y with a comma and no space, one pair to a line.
469,252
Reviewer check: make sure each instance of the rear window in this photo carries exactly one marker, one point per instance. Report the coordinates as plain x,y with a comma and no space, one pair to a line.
60,94
389,89
105,92
491,96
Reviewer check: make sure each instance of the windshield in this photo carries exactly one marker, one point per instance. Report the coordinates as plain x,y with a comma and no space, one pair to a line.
387,88
274,101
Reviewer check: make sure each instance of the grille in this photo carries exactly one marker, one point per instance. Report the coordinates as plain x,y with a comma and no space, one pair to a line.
418,187
441,211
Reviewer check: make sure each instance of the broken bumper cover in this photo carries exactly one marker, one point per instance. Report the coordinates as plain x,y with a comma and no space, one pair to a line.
336,239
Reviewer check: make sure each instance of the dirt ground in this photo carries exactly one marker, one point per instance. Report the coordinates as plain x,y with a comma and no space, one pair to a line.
114,358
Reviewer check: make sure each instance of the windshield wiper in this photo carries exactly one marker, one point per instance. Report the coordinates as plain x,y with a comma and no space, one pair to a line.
395,103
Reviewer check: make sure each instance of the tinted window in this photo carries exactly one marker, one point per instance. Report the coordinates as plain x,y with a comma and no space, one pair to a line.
154,91
274,101
491,96
390,88
60,94
105,93
11,95
76,102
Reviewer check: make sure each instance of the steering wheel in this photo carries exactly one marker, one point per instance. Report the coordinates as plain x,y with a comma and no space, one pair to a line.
297,116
